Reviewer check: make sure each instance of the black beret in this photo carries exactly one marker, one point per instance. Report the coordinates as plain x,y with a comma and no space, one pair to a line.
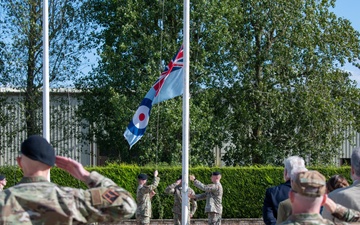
180,177
2,177
216,173
38,148
142,176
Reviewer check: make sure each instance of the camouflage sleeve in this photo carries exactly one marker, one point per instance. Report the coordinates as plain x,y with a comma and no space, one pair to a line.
151,187
200,196
106,202
97,180
207,188
345,214
170,189
193,203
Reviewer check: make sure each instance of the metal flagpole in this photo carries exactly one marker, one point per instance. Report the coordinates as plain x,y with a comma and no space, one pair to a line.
185,135
46,105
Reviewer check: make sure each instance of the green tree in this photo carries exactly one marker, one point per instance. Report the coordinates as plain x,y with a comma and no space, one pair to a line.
264,77
286,94
22,34
138,40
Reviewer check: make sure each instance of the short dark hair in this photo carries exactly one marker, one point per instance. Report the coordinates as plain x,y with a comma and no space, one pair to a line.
142,176
335,182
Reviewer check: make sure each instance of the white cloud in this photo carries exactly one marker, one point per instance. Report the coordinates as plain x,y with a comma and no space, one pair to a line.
355,72
355,75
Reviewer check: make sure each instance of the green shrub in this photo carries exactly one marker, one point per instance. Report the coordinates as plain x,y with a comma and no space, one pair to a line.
244,187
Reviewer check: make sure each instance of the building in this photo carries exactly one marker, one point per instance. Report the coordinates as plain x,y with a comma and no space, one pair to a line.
65,129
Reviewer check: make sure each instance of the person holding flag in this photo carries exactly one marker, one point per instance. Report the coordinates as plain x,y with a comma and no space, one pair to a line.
213,194
144,193
176,189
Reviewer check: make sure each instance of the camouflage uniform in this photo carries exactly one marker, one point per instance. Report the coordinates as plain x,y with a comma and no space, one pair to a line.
175,189
34,200
345,214
310,185
309,219
213,195
341,212
143,212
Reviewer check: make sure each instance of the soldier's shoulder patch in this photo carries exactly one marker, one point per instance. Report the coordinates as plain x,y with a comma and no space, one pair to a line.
95,196
110,195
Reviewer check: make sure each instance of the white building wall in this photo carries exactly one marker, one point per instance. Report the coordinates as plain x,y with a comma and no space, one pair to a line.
65,131
348,145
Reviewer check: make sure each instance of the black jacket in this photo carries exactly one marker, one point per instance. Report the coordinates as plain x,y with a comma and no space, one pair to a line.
273,197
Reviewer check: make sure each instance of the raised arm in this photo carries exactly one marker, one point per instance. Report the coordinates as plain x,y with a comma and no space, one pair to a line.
171,188
104,199
341,212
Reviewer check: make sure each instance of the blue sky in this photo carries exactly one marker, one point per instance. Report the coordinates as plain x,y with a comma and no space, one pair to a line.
349,9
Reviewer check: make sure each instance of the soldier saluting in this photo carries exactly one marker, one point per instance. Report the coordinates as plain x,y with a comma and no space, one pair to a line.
35,200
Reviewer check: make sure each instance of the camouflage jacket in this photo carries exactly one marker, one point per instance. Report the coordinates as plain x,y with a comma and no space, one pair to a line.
308,219
143,198
175,190
213,195
34,200
345,214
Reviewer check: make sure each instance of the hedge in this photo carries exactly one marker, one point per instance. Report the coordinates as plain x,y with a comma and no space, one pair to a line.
244,187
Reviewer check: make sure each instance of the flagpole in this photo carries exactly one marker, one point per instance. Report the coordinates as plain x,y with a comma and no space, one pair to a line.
46,106
186,113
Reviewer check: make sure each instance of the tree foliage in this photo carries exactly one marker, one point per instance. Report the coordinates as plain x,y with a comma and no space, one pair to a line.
293,100
22,49
264,78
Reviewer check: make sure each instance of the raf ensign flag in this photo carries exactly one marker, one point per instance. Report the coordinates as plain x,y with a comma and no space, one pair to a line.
167,86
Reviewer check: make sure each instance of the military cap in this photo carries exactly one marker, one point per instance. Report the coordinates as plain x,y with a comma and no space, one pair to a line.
216,173
142,176
38,148
309,183
2,177
180,177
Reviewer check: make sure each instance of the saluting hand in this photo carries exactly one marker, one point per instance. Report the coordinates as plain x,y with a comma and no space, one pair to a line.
156,173
73,167
192,177
330,205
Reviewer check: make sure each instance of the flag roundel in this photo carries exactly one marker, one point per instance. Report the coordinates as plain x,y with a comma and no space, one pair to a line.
141,118
168,85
